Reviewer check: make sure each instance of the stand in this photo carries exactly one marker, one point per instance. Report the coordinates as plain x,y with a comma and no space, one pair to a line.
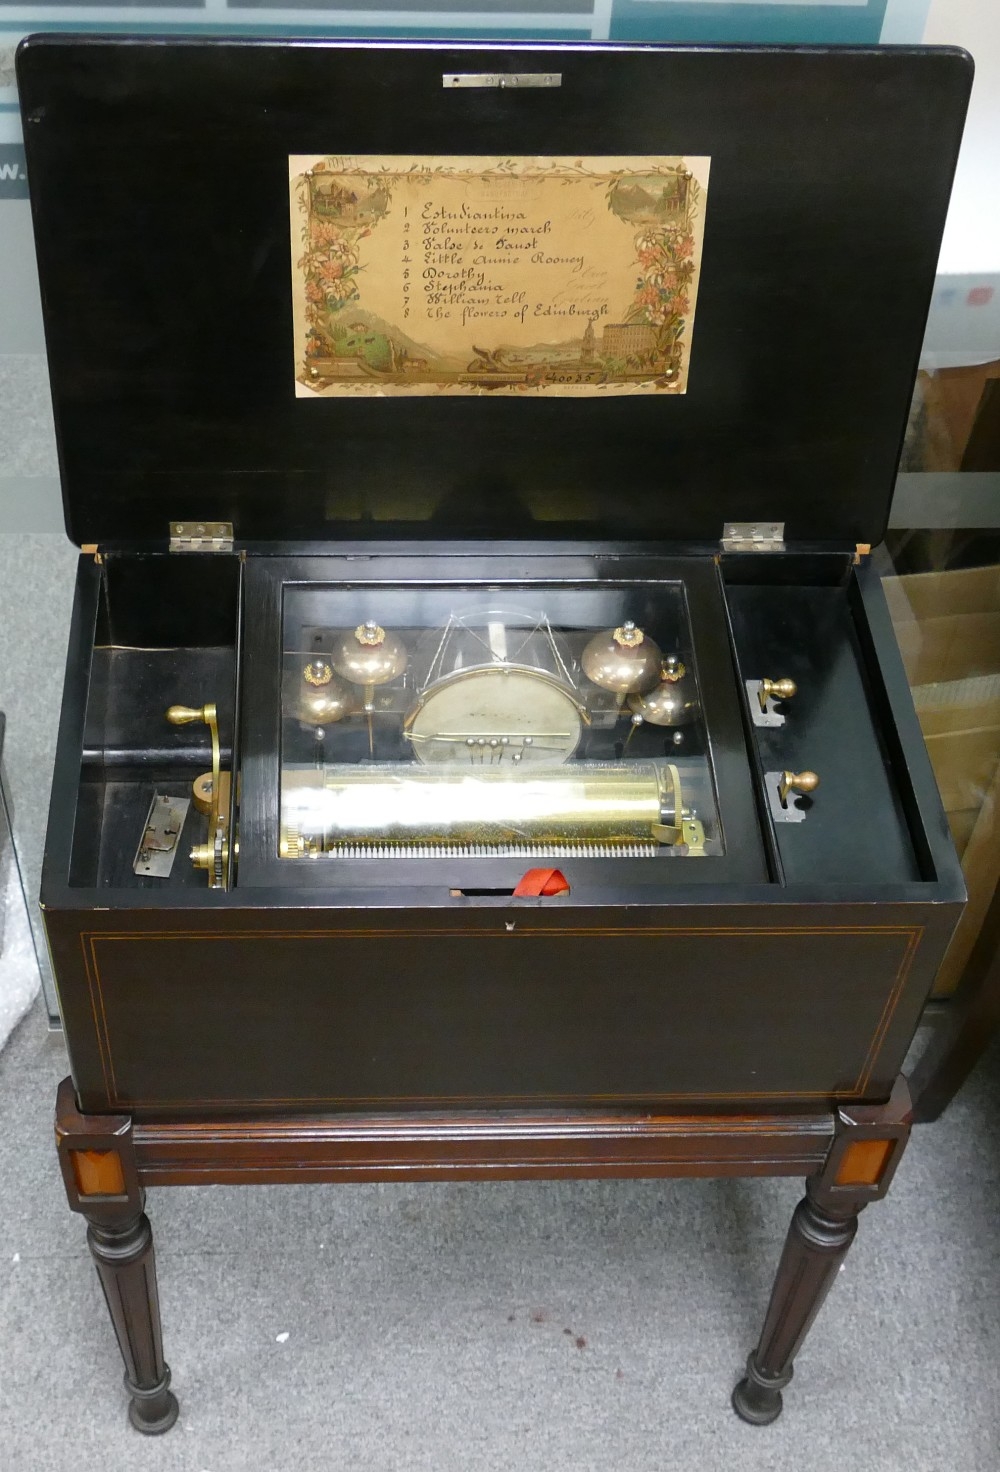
848,1158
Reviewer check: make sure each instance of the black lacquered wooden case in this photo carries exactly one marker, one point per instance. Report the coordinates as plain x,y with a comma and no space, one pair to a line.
495,709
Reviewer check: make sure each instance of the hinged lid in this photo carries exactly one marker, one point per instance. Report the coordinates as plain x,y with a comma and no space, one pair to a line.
232,332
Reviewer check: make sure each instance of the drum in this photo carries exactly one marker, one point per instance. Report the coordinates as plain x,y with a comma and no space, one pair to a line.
497,689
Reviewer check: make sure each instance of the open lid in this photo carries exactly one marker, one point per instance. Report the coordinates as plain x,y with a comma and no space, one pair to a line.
742,349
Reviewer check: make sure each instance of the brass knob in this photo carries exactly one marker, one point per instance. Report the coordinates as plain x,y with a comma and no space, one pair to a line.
183,715
798,782
775,690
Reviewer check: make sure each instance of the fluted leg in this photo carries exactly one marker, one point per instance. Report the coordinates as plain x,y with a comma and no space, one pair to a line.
817,1243
97,1156
123,1254
866,1148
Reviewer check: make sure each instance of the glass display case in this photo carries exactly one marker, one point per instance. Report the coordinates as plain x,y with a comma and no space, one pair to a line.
543,723
21,962
7,863
944,595
942,584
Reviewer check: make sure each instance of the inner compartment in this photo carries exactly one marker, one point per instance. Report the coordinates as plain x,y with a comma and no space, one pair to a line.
793,620
523,722
515,721
165,636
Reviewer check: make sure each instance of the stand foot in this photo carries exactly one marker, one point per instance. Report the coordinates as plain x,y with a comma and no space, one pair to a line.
153,1397
757,1397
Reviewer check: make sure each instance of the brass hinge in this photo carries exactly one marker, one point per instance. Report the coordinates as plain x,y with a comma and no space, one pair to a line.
753,536
201,536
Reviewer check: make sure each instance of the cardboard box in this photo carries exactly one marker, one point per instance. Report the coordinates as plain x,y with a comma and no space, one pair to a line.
948,627
953,426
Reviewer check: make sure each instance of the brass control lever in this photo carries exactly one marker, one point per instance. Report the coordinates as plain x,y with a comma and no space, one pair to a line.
210,794
797,782
775,690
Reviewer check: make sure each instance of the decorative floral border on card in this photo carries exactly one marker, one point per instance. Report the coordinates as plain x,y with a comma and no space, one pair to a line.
336,219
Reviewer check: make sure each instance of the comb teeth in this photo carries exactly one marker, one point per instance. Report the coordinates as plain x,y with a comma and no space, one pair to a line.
596,850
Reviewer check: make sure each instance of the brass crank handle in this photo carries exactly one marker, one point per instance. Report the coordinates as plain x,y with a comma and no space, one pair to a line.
185,715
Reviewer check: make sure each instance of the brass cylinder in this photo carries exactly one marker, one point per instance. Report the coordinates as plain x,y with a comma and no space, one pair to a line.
408,805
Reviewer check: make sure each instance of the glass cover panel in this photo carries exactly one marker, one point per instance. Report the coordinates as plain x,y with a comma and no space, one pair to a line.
945,606
429,722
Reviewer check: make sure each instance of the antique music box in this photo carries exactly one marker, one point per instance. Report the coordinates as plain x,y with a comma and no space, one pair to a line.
484,747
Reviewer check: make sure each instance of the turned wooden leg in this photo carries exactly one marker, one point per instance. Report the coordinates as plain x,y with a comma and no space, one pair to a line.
123,1254
102,1184
868,1143
816,1245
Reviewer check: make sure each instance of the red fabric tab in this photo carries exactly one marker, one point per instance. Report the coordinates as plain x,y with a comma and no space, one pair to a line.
541,881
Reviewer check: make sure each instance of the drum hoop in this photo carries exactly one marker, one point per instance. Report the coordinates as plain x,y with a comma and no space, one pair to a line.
457,676
463,623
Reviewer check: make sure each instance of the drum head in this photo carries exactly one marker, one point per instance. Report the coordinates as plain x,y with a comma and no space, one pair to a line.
495,715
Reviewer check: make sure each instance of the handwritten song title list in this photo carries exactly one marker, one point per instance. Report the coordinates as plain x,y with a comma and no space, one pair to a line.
493,263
